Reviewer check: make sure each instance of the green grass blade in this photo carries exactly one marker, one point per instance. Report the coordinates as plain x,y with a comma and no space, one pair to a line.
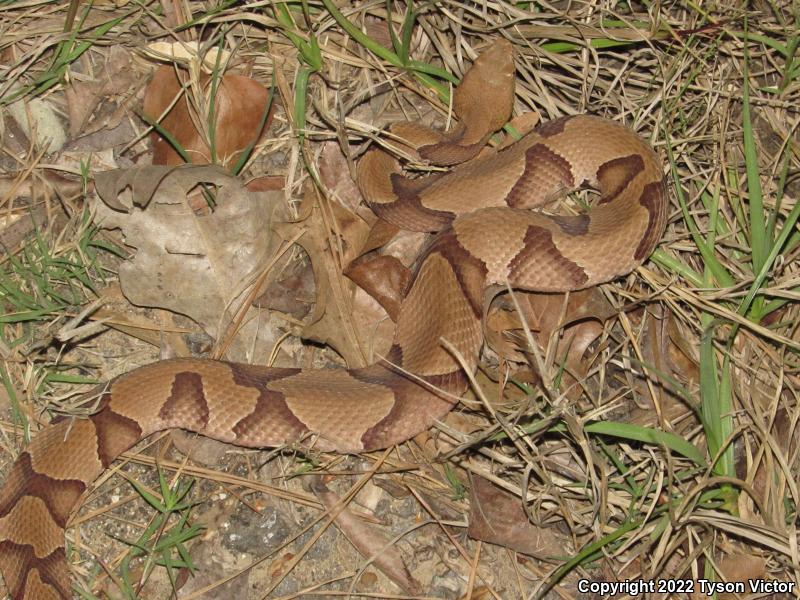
719,272
758,231
586,554
648,435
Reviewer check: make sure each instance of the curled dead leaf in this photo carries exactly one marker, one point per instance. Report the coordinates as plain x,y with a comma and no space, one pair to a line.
187,51
384,278
199,265
572,322
241,106
496,516
345,317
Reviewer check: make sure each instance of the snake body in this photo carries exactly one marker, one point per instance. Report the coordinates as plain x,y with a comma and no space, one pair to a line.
486,237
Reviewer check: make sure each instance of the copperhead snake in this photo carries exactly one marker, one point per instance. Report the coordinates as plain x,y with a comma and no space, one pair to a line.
486,237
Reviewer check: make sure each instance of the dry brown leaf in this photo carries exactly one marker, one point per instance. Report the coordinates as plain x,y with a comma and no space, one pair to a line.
196,265
368,540
292,293
345,317
769,477
334,172
580,322
372,324
382,234
154,329
266,183
15,226
663,350
39,120
240,104
683,361
741,567
201,449
496,516
384,278
113,79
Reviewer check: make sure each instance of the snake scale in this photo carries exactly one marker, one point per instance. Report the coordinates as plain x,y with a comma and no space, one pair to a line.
486,237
